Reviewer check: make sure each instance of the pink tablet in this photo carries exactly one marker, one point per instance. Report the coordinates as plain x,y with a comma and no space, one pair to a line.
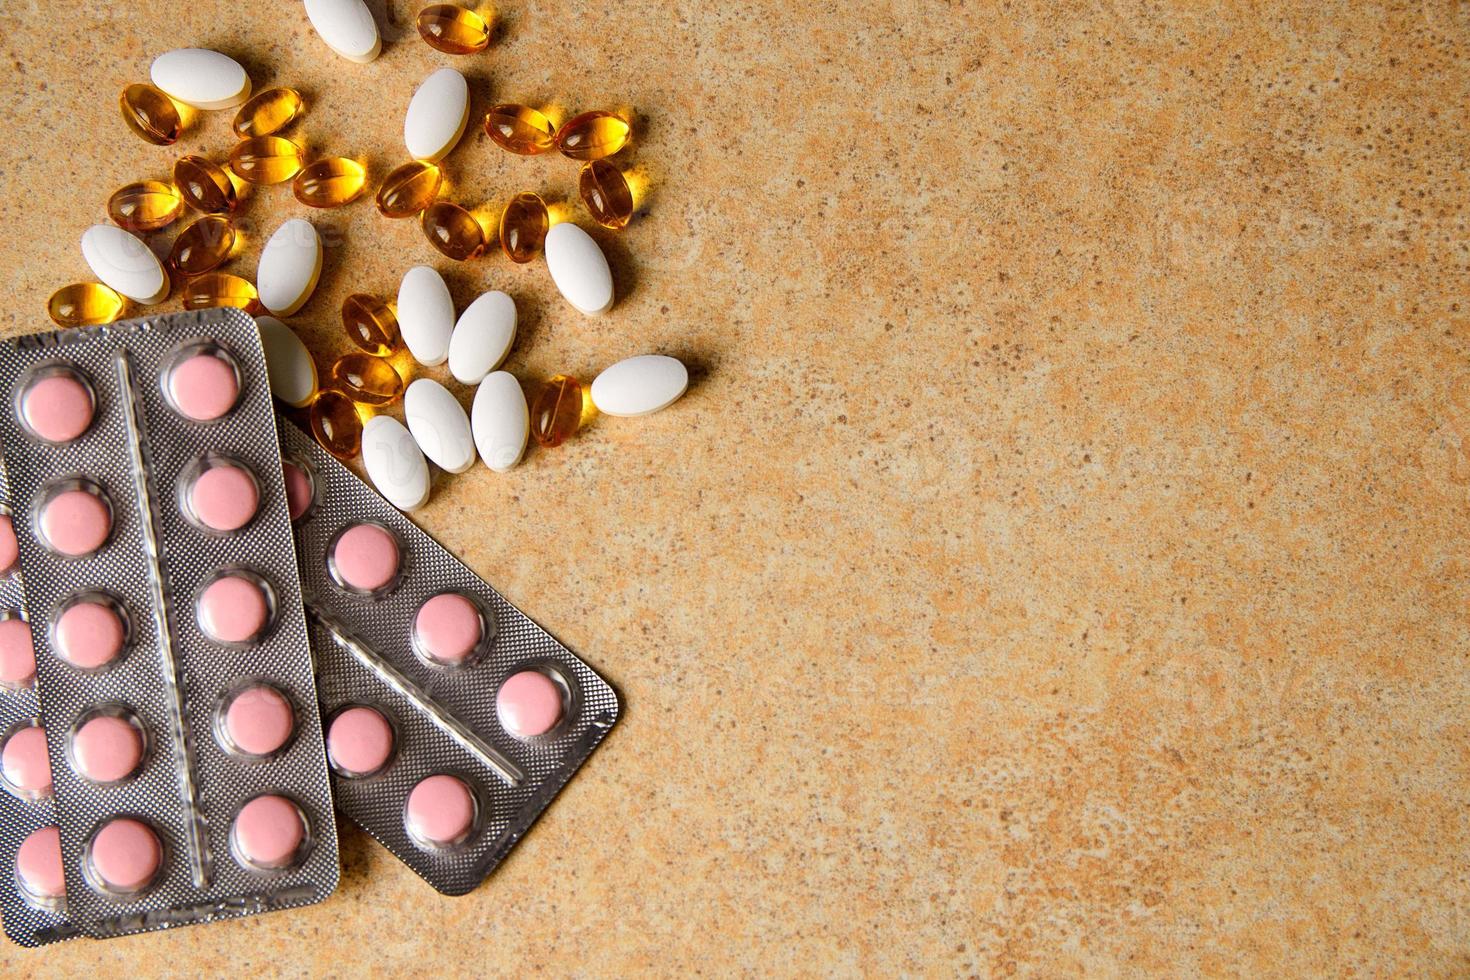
17,654
75,522
447,629
57,408
365,558
233,609
9,547
24,764
440,811
38,865
125,855
268,833
359,741
258,720
529,704
89,635
106,749
224,497
298,489
203,387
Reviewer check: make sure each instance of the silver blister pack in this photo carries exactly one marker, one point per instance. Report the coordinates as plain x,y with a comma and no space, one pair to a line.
159,599
449,698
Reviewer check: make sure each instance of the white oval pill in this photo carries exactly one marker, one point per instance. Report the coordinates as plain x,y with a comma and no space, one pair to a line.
201,78
439,425
425,315
122,260
290,264
288,363
437,114
482,337
579,268
347,27
500,420
394,463
639,385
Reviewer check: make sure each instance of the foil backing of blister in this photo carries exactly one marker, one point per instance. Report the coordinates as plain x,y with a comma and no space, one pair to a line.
166,443
383,627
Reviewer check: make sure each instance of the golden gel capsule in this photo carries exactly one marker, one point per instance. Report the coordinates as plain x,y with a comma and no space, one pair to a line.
453,230
329,183
83,304
266,159
453,29
556,410
593,135
367,379
204,185
147,205
336,424
606,193
370,324
221,289
202,247
523,226
150,114
520,129
268,112
409,189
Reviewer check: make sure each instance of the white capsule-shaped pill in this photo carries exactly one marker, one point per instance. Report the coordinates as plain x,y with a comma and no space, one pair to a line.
347,27
640,385
288,363
439,425
501,421
290,264
425,315
579,268
201,78
123,261
436,116
394,463
482,337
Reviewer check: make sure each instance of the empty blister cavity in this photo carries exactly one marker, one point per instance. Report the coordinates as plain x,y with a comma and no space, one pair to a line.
201,381
255,720
219,494
451,630
365,559
300,487
235,607
360,741
106,745
74,519
123,857
90,630
39,876
269,834
56,403
24,766
532,703
442,812
17,652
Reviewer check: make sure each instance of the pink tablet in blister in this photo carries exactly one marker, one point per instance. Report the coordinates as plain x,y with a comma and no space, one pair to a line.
38,869
268,833
448,629
299,490
359,741
17,653
224,497
75,522
24,764
204,386
256,720
365,558
529,704
234,608
124,856
107,747
9,547
89,634
441,811
57,406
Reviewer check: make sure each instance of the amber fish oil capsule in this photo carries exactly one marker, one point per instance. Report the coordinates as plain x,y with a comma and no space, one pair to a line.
84,304
266,159
221,289
523,226
453,29
146,205
330,182
453,230
593,135
203,246
519,129
204,185
268,112
336,424
556,410
409,189
367,379
150,114
606,193
370,323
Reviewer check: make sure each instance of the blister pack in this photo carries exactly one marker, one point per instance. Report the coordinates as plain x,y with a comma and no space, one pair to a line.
452,719
171,649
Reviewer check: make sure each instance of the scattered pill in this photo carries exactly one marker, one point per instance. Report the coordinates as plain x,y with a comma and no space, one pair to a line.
203,386
394,462
447,629
17,654
367,379
146,205
359,742
106,749
593,135
150,114
57,407
266,159
408,189
330,182
89,635
482,337
214,289
299,490
268,833
233,609
258,720
364,558
370,323
556,410
436,115
38,867
83,304
9,546
268,112
125,856
529,704
523,226
440,811
439,425
24,764
500,421
203,246
425,315
453,231
290,264
520,129
453,29
201,78
347,27
288,363
123,262
606,193
639,385
579,269
204,185
224,497
335,424
75,523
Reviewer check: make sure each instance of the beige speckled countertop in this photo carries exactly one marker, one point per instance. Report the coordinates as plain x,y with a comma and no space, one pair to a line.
1060,562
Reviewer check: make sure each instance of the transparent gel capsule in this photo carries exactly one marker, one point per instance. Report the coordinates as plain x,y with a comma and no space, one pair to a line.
593,135
204,185
370,324
266,159
519,129
453,230
453,29
221,289
84,304
150,114
367,379
146,205
606,193
202,247
336,424
268,112
523,226
329,183
556,410
409,189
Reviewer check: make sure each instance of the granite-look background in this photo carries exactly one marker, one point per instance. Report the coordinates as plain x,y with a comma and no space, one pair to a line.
1060,561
